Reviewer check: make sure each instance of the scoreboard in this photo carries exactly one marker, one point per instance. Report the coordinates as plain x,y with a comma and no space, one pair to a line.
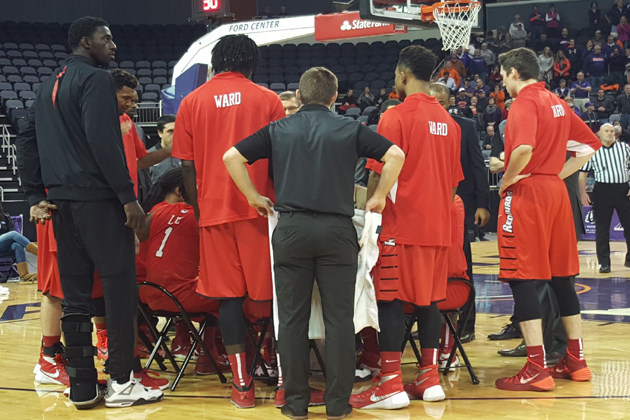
209,8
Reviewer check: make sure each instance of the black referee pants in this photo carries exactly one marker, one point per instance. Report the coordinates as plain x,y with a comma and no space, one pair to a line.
322,247
606,198
93,235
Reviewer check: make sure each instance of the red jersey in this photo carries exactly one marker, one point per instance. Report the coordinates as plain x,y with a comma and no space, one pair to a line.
540,119
457,264
134,148
141,258
420,213
173,247
47,255
212,119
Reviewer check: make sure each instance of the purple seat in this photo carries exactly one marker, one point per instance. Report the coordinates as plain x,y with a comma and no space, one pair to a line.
8,264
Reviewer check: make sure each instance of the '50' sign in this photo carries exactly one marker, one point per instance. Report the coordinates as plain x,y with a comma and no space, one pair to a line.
211,4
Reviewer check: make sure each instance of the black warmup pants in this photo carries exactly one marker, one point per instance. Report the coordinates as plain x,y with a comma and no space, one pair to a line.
470,206
323,247
92,235
606,198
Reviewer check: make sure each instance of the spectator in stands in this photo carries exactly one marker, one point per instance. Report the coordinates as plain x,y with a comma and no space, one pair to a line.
569,101
518,32
594,17
499,96
267,13
470,111
623,31
290,102
574,56
613,17
542,43
610,46
604,106
580,89
456,64
598,39
14,244
562,91
449,82
469,88
507,44
482,87
616,67
488,55
454,74
462,99
561,66
365,99
381,98
283,12
623,106
536,22
453,108
492,41
621,134
595,66
545,61
492,113
464,57
350,101
591,118
553,22
393,94
165,130
482,100
489,138
495,76
626,74
564,39
478,65
506,111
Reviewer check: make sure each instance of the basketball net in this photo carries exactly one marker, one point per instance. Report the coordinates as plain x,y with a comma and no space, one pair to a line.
455,20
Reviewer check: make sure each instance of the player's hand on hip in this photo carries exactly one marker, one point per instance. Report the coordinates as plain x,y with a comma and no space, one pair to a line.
586,200
263,205
135,215
375,204
482,217
40,212
508,182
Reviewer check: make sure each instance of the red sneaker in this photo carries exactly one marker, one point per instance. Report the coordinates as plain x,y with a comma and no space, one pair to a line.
427,386
370,361
152,380
243,397
317,398
101,345
570,367
181,345
204,367
444,359
144,353
51,370
531,378
389,394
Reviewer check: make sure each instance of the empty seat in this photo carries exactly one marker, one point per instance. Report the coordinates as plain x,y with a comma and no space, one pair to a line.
50,63
354,112
278,78
24,71
277,86
145,80
25,47
363,119
42,78
29,54
35,63
60,55
360,86
36,86
160,73
144,73
18,62
14,78
13,104
368,110
158,64
27,94
152,87
5,86
42,47
46,55
126,65
5,62
261,79
18,87
58,48
44,71
160,80
8,70
291,78
293,86
143,65
150,97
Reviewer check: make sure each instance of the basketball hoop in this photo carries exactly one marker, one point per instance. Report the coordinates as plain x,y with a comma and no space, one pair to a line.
455,20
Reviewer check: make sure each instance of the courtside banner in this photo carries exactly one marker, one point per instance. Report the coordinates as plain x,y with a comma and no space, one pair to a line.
350,25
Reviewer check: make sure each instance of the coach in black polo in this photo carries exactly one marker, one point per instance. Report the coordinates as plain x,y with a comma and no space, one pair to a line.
314,154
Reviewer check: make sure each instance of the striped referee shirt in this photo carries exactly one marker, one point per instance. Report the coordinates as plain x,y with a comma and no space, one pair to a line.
610,164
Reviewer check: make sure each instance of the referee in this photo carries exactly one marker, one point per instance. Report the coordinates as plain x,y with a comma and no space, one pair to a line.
610,165
314,154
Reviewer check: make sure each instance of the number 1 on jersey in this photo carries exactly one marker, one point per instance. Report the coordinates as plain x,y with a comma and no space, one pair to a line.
167,233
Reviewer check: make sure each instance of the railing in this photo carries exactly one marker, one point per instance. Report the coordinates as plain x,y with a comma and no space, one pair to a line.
148,113
493,179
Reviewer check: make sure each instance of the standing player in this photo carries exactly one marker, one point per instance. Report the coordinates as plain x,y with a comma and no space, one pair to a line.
234,238
416,231
536,231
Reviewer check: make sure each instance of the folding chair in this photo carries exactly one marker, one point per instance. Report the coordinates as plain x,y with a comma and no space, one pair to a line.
457,292
159,337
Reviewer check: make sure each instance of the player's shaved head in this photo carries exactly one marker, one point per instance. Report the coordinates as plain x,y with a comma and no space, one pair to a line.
442,94
318,86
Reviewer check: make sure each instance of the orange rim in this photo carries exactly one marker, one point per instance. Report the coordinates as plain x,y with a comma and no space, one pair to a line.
463,6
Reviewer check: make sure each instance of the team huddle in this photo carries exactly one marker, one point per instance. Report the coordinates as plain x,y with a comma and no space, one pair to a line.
203,231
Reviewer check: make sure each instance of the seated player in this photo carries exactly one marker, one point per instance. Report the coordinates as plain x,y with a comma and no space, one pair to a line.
171,236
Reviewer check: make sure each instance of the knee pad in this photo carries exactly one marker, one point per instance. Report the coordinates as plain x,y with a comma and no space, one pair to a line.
526,303
79,350
566,296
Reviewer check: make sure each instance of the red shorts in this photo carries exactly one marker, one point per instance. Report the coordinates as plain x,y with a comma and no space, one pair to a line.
536,231
411,273
236,261
187,296
48,281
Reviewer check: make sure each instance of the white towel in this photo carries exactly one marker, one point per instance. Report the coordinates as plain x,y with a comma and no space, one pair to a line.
365,308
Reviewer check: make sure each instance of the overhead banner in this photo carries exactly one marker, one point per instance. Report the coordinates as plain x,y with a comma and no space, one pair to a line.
350,25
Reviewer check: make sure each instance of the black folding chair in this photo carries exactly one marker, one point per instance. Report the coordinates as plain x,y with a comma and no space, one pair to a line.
159,337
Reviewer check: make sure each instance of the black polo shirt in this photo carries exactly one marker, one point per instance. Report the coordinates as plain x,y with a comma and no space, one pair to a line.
314,154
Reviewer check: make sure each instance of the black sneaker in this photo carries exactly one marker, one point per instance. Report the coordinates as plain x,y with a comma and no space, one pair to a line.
509,332
606,268
294,416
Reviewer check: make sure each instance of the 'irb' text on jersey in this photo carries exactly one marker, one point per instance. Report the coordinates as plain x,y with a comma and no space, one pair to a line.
438,129
229,99
558,111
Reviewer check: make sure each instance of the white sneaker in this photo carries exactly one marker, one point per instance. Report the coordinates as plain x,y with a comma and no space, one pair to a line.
444,359
130,393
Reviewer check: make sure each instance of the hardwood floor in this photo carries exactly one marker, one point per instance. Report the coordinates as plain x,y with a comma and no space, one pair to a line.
605,299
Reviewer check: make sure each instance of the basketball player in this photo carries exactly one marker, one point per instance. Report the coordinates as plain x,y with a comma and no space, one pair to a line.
416,231
234,239
536,231
76,152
